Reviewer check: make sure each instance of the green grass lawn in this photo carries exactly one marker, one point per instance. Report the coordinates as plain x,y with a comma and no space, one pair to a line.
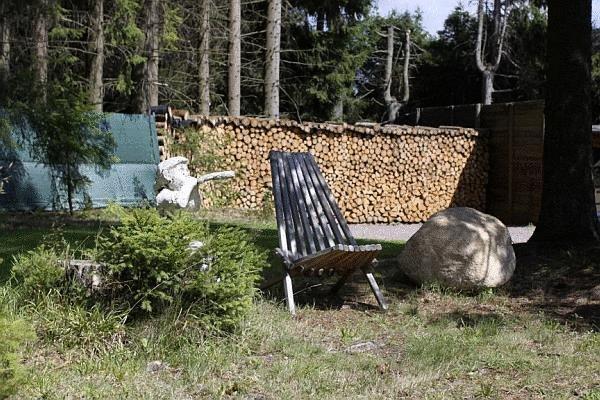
431,344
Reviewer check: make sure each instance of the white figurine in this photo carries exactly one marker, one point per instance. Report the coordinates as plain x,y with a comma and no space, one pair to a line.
181,189
177,188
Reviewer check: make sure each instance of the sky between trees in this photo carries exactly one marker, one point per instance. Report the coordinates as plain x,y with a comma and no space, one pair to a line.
436,12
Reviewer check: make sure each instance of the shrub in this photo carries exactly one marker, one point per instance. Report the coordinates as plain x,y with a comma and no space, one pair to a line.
149,265
37,272
13,335
223,294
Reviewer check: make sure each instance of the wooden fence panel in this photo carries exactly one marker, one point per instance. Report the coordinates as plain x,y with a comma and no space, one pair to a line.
516,137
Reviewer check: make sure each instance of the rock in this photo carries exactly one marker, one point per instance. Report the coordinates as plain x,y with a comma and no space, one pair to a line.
460,248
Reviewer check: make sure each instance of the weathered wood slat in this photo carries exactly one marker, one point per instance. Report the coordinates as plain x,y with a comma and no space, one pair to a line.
297,188
331,201
296,213
290,240
324,200
318,242
316,201
282,226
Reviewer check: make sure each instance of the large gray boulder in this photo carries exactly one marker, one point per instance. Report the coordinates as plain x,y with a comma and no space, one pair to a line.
460,248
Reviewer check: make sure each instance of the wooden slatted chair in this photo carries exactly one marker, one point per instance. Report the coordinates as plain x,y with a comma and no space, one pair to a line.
314,238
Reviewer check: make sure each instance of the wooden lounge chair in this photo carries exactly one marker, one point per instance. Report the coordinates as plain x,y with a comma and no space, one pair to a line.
314,238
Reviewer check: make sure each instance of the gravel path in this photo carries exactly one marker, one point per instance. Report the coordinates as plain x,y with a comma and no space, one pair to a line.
519,234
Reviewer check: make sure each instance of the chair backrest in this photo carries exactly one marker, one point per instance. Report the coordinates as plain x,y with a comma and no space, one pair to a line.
308,217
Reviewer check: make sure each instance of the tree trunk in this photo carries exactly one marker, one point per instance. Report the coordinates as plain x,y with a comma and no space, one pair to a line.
40,40
235,61
496,44
4,48
405,69
204,67
96,88
320,21
272,59
391,102
338,110
487,87
153,47
147,93
389,64
568,213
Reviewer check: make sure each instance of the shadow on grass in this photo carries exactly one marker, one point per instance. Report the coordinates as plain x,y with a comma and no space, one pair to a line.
476,320
564,284
15,239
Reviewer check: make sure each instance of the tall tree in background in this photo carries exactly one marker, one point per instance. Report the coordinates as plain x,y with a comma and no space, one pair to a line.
390,74
234,58
568,213
273,44
393,104
204,52
495,44
96,49
148,93
5,31
41,24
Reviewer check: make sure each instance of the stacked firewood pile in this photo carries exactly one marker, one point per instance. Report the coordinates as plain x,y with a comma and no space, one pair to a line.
377,173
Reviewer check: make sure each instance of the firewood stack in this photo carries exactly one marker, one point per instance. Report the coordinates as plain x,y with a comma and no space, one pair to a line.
377,173
162,117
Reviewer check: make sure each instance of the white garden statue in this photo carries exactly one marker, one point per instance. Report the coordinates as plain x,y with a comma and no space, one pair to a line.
177,188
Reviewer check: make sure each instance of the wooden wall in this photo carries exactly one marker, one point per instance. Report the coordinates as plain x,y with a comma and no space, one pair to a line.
516,140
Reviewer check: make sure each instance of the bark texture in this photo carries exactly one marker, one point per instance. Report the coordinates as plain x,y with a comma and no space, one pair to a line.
272,59
568,212
96,88
152,46
204,67
235,61
393,105
4,46
147,95
40,40
405,89
389,64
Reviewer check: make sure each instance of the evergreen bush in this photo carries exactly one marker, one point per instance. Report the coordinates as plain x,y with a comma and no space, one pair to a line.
150,263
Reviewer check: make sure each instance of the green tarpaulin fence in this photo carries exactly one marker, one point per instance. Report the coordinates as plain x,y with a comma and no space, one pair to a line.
128,182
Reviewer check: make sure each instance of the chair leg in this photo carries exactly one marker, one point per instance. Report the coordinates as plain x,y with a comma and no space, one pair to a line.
340,283
289,292
367,270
